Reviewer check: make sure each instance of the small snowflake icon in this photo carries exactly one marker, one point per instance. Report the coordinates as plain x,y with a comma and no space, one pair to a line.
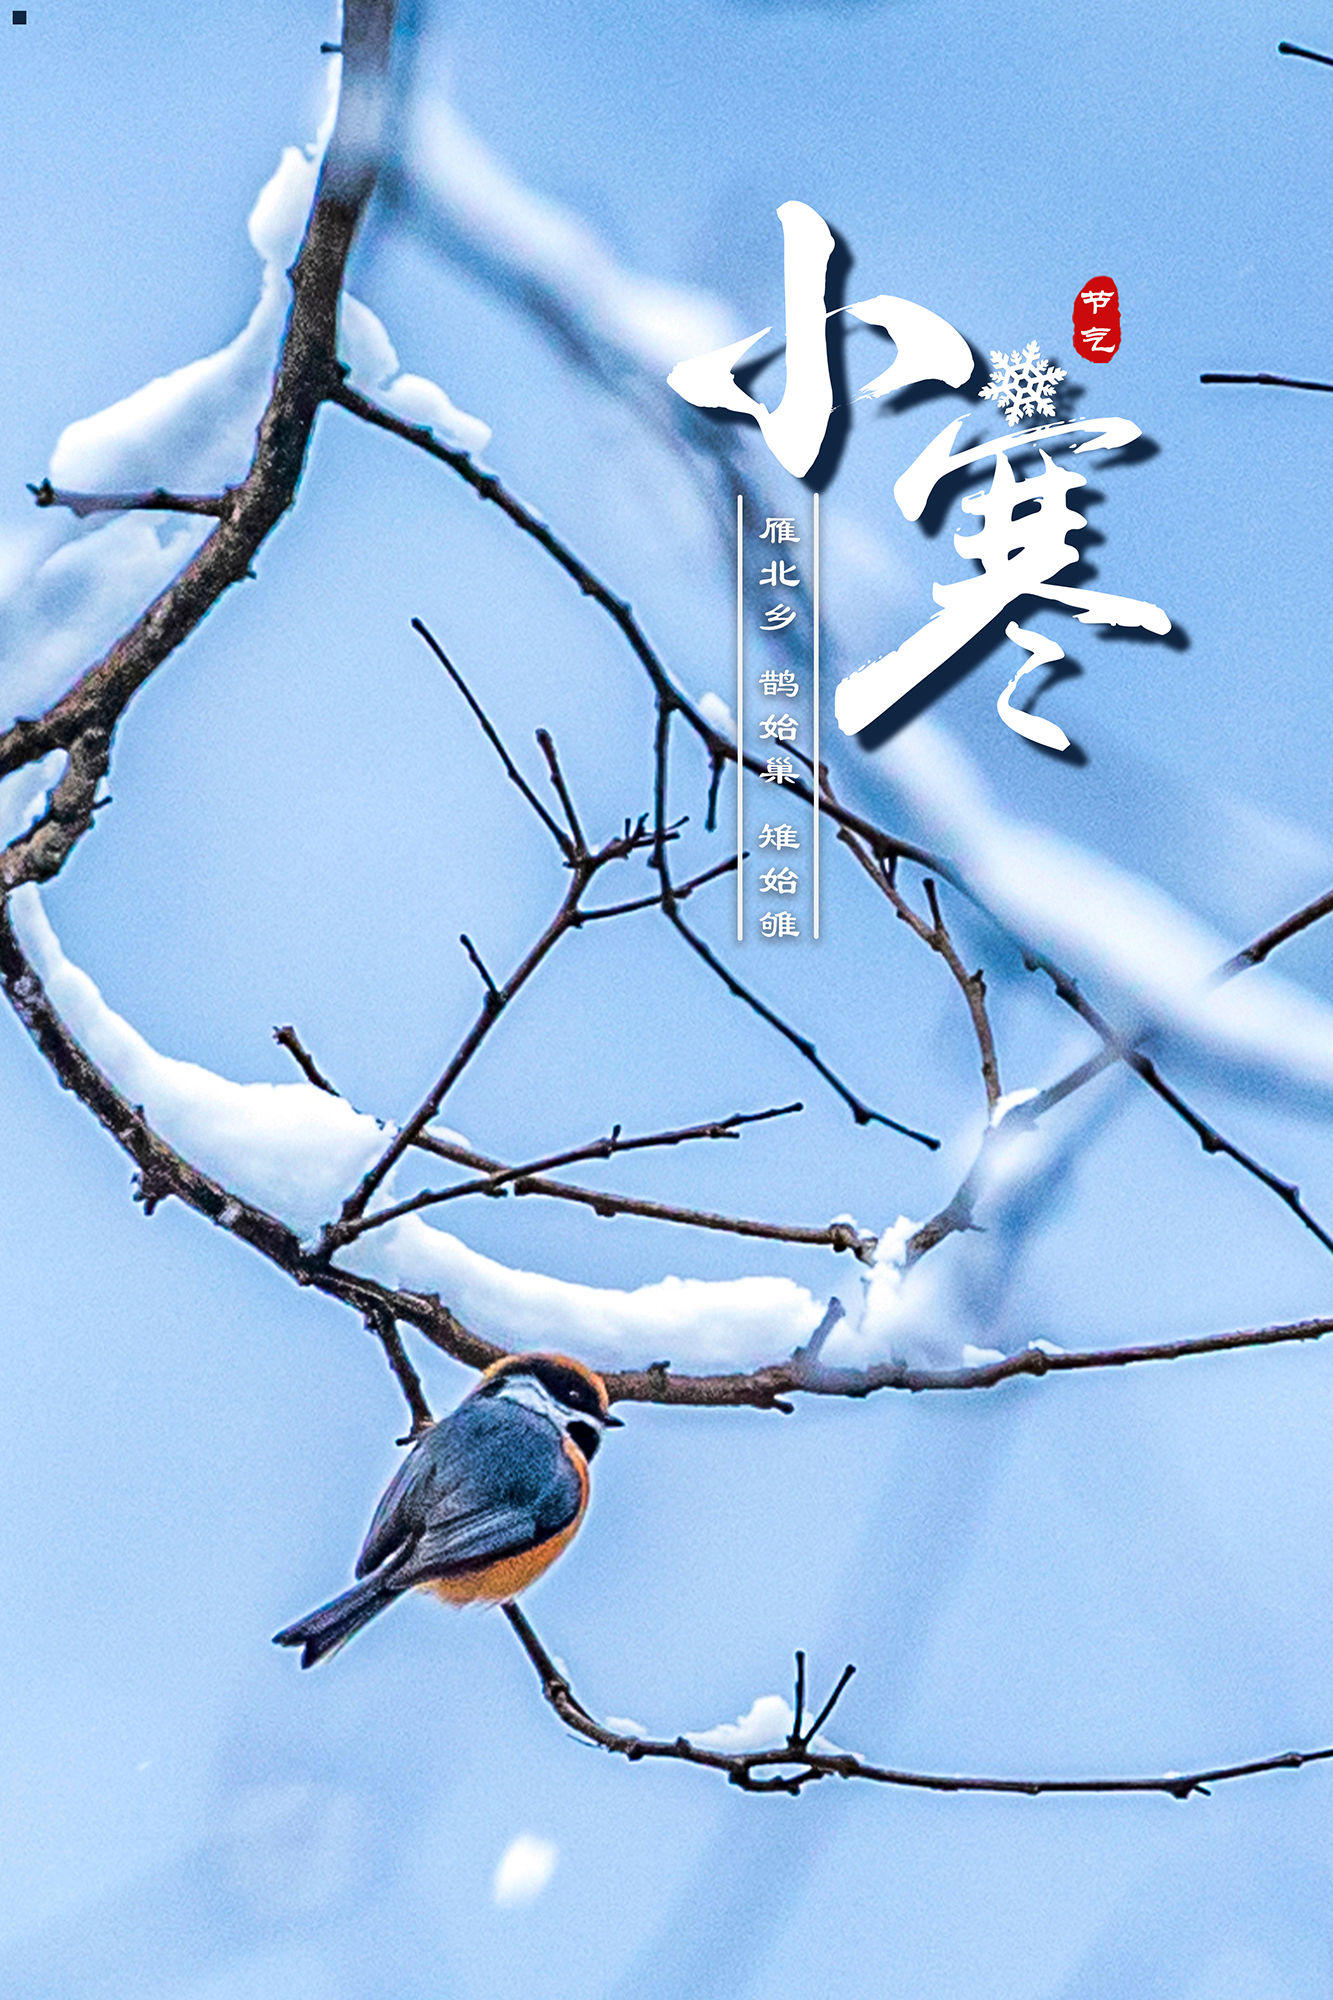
1023,384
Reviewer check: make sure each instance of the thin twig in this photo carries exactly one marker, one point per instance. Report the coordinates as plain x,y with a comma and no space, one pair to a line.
1206,1133
716,766
287,1038
794,1740
492,736
971,984
1290,927
680,890
548,751
479,964
1265,381
1311,55
156,501
791,1766
597,1149
835,1236
380,1321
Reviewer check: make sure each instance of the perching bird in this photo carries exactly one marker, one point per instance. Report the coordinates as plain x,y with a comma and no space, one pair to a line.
484,1502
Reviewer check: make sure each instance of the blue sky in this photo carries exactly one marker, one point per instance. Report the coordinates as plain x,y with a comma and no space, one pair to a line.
1123,1572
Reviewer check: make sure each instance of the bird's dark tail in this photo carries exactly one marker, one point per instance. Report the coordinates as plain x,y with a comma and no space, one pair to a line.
333,1624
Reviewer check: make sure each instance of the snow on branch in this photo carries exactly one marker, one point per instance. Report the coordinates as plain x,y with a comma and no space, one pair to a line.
218,437
259,1138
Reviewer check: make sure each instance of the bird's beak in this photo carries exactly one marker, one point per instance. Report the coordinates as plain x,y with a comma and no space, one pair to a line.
610,1423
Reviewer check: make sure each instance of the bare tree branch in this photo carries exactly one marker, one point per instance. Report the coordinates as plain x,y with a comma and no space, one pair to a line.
836,1236
1311,55
82,724
598,1149
480,968
287,1038
1265,381
381,1322
764,1388
157,501
883,873
502,1178
83,720
493,738
1207,1134
1290,927
791,1766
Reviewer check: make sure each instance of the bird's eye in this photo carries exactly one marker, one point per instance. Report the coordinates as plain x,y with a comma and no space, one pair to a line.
586,1436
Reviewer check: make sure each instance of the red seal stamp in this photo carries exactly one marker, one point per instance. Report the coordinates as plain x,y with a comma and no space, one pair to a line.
1097,320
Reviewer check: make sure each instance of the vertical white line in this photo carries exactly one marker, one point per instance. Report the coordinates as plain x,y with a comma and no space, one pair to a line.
740,719
815,677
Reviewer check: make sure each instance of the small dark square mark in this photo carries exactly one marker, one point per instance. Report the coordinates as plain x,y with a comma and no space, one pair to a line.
19,17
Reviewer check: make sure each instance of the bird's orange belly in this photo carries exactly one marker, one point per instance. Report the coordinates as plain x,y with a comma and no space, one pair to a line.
502,1580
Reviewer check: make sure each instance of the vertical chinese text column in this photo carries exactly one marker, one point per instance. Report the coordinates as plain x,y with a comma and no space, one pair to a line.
816,785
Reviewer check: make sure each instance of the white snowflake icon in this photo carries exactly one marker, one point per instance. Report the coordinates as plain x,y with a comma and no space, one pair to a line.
1023,384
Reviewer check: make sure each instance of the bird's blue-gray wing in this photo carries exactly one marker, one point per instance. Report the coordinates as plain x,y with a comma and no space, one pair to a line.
400,1515
485,1482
